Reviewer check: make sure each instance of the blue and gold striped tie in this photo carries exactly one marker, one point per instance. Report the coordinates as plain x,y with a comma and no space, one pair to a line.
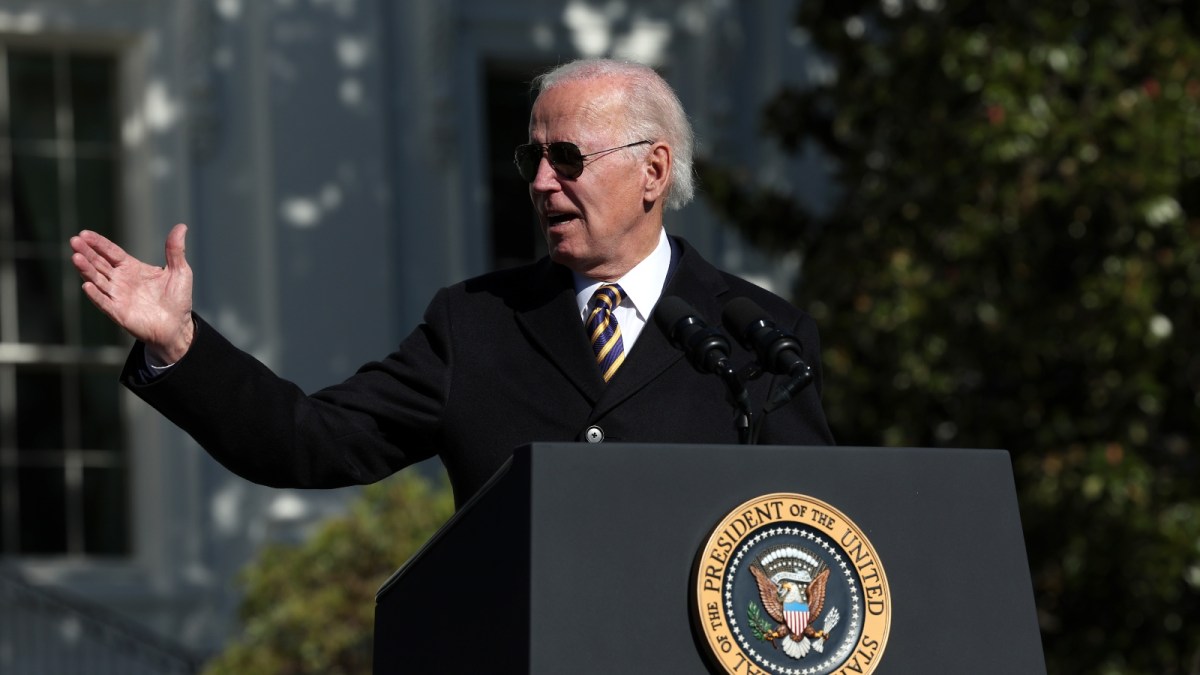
603,331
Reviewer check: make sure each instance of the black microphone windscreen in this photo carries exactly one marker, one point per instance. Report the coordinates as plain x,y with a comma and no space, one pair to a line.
669,311
739,313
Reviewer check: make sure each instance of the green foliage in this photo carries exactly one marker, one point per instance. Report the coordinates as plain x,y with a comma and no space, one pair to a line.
1013,260
311,608
759,626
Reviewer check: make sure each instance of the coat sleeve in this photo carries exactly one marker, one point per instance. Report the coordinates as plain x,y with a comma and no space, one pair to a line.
267,430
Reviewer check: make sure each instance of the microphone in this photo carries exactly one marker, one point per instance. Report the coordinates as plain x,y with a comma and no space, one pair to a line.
706,348
708,351
777,351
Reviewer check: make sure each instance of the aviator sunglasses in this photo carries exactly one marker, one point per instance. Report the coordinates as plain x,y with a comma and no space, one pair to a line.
564,157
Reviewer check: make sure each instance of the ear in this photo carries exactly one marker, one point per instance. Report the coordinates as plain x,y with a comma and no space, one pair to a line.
656,173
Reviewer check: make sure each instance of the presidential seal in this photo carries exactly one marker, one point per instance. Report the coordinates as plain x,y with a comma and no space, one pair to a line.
788,585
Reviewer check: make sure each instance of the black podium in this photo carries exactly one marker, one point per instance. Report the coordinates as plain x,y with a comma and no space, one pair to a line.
583,559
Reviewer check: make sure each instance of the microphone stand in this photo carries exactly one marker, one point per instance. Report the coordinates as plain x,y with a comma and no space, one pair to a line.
801,377
748,424
745,421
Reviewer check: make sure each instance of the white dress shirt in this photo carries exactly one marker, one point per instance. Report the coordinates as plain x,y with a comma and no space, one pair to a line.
643,285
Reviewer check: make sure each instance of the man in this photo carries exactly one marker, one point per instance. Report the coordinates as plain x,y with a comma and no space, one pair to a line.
559,350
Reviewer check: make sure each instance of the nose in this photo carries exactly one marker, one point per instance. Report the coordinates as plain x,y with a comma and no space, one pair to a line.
546,178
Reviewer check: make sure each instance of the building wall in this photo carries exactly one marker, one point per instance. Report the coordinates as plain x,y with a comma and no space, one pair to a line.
330,159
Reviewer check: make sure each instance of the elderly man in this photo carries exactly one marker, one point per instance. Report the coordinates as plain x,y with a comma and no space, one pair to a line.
558,350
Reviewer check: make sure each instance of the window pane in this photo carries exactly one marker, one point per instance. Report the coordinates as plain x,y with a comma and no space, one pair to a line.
42,509
104,511
40,301
39,410
100,424
94,98
31,95
96,195
36,210
8,409
97,329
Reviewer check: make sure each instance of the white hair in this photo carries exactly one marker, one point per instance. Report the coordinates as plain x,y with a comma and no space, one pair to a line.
652,112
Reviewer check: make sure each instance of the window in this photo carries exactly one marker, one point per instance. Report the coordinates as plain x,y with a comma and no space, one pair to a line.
63,464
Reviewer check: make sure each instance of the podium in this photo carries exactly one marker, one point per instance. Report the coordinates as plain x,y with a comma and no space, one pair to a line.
583,559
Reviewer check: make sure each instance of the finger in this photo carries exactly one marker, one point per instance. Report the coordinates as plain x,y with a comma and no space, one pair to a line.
176,248
78,244
85,254
82,265
100,300
83,249
104,247
95,269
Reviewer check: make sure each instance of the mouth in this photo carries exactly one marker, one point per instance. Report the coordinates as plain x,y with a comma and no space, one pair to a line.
553,219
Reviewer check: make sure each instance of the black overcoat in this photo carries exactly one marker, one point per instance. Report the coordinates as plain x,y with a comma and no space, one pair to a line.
499,361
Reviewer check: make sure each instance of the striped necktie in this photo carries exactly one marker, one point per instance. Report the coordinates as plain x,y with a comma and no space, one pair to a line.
603,331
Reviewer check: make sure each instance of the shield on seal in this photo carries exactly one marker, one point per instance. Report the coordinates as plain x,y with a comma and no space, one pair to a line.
795,615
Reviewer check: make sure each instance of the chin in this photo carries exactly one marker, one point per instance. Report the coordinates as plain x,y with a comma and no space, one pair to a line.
560,250
563,257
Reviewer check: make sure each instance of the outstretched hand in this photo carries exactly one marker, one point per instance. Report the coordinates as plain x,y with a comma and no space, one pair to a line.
153,304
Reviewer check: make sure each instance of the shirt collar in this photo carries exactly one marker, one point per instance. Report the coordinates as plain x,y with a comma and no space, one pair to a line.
642,285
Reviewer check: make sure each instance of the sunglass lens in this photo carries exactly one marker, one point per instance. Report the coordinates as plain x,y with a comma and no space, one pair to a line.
566,159
527,158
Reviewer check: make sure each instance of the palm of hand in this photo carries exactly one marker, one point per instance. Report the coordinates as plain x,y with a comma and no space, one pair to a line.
153,304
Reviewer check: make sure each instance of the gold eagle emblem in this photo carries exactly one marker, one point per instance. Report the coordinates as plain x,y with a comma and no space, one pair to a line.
795,587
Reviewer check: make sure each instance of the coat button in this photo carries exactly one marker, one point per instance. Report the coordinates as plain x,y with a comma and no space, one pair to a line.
594,434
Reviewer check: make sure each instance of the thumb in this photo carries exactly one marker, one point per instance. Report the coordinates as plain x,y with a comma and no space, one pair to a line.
176,248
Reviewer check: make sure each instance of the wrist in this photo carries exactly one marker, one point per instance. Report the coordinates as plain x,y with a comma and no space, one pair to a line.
170,353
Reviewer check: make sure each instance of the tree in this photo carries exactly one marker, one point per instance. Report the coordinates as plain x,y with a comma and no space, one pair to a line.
310,608
1013,260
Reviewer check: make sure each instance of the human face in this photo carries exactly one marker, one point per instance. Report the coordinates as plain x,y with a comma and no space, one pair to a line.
597,224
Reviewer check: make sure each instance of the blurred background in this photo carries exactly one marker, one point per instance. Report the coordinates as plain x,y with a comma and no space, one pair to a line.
991,208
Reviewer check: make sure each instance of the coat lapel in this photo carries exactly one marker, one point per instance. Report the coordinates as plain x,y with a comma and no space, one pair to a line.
550,319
